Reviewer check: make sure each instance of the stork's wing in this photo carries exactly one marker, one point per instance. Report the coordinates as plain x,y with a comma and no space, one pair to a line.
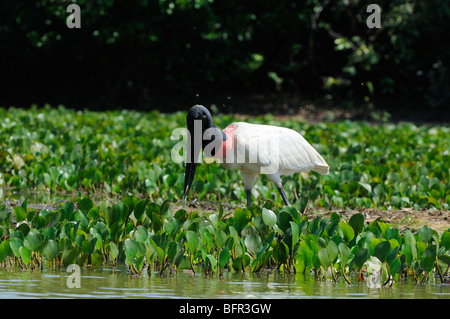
278,147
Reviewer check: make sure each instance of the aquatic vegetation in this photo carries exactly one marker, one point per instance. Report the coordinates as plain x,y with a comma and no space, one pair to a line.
151,237
126,155
126,152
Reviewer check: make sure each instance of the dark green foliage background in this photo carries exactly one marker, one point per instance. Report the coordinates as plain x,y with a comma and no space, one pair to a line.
168,54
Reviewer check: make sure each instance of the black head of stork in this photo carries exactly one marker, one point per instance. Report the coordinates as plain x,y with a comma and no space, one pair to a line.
203,134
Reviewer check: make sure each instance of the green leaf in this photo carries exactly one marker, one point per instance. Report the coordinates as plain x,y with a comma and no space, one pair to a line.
430,252
51,249
252,242
25,254
233,233
220,238
69,255
444,259
295,234
394,243
425,265
206,238
301,204
192,239
131,202
4,213
224,257
391,233
269,217
140,208
373,243
32,240
283,220
409,237
366,187
68,208
425,233
360,257
357,223
15,244
242,217
213,262
294,213
151,251
214,218
85,205
334,217
445,240
381,250
20,213
259,224
383,227
157,222
114,250
344,251
333,251
3,232
178,257
395,266
53,218
3,252
141,249
392,254
131,249
116,214
315,262
281,252
165,210
81,217
409,247
324,258
39,222
31,215
347,231
171,226
86,245
94,213
141,234
173,249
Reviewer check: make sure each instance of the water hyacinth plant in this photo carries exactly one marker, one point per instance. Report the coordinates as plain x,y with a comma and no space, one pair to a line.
117,153
151,237
121,189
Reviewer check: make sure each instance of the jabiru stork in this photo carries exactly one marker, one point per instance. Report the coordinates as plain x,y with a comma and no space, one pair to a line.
252,148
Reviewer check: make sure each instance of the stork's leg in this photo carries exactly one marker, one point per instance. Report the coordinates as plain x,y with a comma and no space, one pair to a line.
249,196
275,178
249,179
283,195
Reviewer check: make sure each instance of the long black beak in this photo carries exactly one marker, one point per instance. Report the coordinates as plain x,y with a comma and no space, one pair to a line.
191,165
198,121
188,179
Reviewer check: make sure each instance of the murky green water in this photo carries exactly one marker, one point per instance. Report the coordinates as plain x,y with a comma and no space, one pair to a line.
109,283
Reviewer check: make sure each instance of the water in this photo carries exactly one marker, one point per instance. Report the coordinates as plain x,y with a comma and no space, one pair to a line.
108,283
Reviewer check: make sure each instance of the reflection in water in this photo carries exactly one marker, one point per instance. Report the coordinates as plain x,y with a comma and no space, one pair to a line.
118,283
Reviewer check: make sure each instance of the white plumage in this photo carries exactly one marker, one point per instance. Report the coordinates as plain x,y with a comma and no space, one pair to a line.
252,148
271,150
